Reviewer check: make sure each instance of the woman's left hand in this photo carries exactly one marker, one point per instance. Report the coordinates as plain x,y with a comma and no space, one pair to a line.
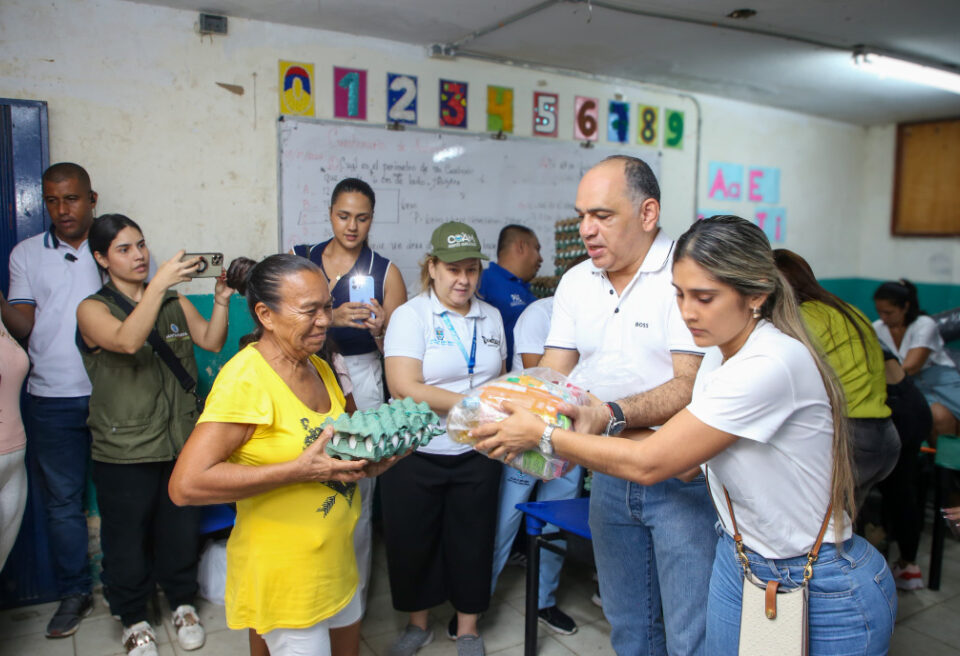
221,291
372,469
510,437
374,323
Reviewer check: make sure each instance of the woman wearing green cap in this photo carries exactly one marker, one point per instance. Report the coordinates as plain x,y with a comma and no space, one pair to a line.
440,504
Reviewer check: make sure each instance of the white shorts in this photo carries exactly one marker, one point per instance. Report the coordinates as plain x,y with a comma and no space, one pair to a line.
312,640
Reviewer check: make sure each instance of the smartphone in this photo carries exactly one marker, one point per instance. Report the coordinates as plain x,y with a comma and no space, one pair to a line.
361,290
211,264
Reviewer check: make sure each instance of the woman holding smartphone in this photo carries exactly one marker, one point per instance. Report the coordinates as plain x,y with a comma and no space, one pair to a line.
366,288
140,417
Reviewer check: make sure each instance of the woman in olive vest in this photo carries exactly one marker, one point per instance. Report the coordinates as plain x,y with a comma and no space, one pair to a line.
136,340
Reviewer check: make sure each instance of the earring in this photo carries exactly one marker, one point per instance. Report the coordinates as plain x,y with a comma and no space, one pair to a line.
756,313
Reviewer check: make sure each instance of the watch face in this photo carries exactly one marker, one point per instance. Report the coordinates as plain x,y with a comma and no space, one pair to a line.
617,427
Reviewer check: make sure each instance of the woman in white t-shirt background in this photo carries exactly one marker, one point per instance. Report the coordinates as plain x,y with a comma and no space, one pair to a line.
440,503
907,331
767,424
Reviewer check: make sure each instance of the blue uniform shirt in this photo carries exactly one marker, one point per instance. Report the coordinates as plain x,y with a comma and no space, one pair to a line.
507,293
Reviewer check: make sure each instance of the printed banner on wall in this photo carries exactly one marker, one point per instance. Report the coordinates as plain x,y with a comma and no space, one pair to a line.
587,119
296,88
453,104
349,93
544,114
499,109
725,180
648,125
773,222
618,122
673,129
401,98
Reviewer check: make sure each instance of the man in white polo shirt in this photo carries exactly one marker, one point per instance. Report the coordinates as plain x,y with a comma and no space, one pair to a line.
50,274
617,316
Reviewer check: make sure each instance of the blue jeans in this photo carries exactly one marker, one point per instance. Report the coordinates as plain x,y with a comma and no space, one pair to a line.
654,549
853,600
516,487
58,448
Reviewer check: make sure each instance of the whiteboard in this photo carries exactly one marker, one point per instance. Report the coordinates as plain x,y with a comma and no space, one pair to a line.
423,178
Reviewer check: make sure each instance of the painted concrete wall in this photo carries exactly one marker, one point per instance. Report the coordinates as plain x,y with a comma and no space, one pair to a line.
132,95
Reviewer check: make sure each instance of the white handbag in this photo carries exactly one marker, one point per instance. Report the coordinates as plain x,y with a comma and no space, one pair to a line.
773,621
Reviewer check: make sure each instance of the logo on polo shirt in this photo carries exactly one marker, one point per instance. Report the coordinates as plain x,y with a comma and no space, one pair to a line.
438,338
176,333
515,300
460,240
641,324
490,341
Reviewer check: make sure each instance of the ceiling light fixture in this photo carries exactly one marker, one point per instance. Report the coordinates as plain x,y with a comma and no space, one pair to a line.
884,66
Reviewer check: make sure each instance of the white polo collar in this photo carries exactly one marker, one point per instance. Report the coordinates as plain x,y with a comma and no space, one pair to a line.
657,257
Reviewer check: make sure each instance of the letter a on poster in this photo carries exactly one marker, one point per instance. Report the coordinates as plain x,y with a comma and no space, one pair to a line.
296,89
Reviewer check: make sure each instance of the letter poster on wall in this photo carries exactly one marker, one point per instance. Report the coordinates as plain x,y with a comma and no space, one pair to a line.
499,109
544,114
349,93
618,122
401,98
453,104
296,88
587,119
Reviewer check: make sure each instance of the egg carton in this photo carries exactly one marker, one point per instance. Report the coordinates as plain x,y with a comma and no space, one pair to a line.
392,429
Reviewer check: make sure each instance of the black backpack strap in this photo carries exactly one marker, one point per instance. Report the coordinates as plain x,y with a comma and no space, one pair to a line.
160,347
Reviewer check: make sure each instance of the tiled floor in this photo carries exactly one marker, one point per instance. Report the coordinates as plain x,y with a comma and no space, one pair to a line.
928,622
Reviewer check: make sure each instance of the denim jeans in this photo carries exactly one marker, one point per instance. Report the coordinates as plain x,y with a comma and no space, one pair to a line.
58,450
516,487
853,599
654,548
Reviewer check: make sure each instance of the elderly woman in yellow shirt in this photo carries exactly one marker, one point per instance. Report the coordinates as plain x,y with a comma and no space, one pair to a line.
290,561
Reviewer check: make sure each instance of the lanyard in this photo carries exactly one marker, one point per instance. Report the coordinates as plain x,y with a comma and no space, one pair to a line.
471,360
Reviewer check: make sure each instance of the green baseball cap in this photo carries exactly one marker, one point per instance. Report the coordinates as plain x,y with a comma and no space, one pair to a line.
454,241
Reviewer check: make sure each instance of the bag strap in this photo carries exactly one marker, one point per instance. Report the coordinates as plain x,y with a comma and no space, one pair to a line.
738,539
160,347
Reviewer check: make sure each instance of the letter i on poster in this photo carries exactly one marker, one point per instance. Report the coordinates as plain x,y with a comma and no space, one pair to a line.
453,104
586,122
296,89
401,98
544,114
499,109
349,93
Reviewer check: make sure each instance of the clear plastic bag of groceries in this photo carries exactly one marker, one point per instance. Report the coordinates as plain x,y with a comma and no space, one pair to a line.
539,390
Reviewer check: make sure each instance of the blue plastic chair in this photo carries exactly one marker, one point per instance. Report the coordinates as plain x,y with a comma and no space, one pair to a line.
569,515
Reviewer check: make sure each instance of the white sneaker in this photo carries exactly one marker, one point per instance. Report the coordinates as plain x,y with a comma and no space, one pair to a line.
190,633
908,578
140,640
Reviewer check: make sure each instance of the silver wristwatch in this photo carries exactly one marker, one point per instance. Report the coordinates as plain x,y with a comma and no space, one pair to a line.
546,440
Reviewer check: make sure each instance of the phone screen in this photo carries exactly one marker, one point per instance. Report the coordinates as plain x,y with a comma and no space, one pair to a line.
361,290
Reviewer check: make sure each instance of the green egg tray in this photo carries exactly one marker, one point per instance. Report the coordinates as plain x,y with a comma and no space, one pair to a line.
392,429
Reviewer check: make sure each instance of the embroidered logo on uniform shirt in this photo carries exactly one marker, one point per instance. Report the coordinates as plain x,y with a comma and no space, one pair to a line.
176,333
490,341
641,324
515,300
438,338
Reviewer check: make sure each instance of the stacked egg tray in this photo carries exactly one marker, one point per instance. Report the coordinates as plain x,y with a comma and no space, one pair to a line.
392,429
567,244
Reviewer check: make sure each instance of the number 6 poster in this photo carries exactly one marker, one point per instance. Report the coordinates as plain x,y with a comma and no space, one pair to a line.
587,113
